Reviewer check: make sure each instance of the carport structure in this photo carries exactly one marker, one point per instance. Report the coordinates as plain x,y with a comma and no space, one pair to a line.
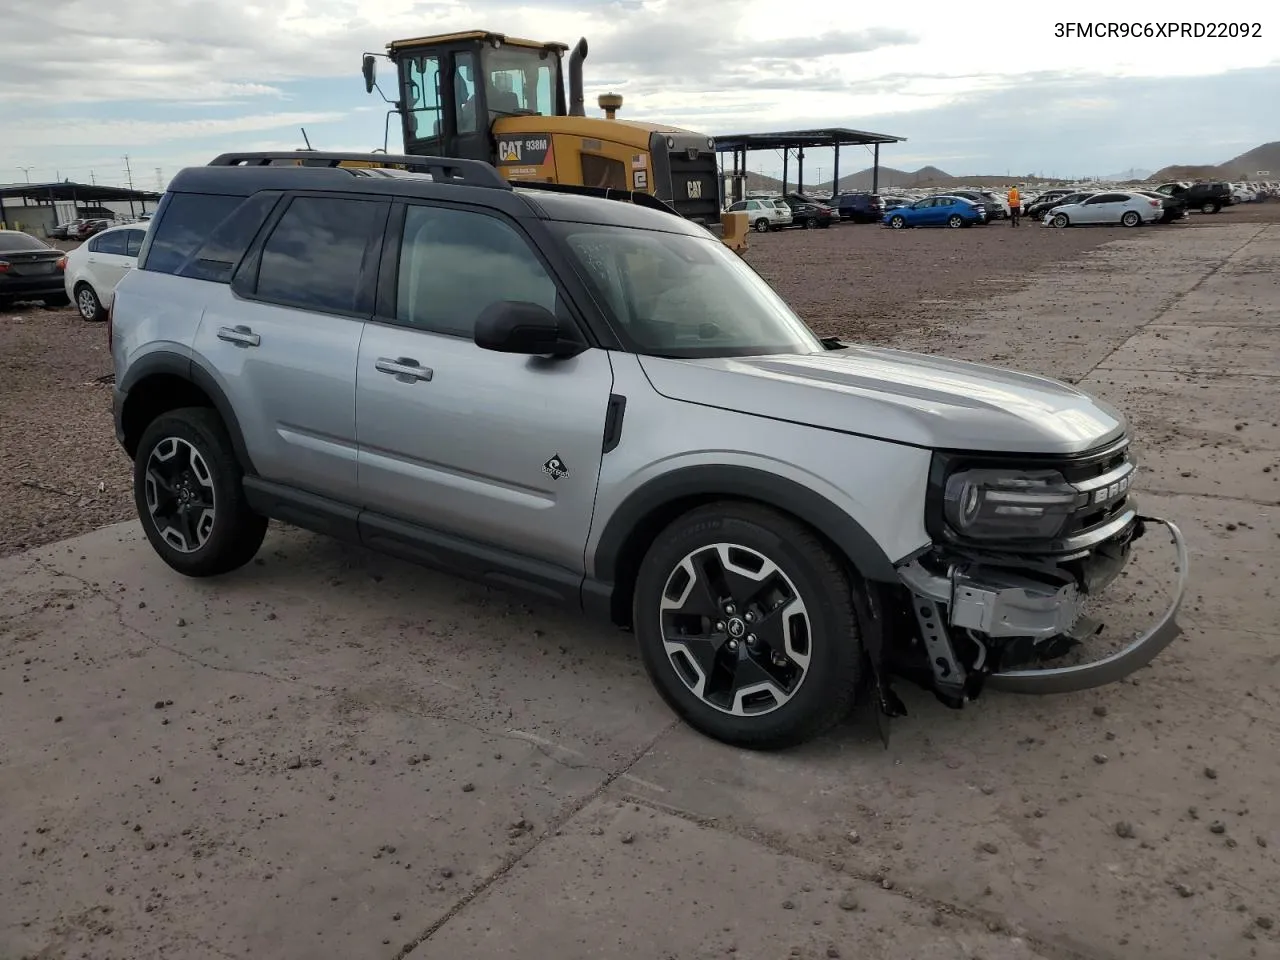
40,194
799,140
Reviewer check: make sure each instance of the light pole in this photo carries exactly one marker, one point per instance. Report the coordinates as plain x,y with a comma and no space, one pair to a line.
26,172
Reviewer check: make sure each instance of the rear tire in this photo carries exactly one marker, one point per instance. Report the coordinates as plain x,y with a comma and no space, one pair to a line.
1209,207
771,654
809,224
1131,218
188,491
762,225
88,304
955,222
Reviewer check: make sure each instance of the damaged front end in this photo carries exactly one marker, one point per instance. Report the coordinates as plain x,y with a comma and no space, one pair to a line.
1019,545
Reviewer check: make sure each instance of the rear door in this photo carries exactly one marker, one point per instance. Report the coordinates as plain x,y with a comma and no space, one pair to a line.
500,449
108,262
284,337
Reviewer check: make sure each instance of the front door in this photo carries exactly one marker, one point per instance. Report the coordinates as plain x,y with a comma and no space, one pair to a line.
500,449
1105,208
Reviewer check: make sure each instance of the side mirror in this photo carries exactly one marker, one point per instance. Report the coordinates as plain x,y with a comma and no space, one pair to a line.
514,326
368,68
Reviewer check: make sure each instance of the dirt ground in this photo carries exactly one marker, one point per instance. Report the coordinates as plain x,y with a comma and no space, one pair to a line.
330,754
62,472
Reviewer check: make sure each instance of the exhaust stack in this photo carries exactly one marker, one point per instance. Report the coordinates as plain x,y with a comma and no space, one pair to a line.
577,99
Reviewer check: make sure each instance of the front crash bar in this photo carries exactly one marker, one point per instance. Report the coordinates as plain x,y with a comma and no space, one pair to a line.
1099,673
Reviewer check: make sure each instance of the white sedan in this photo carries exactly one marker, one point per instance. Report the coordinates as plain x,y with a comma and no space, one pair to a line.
97,265
1124,208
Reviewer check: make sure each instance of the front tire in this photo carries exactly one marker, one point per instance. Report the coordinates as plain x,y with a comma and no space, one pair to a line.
746,626
1061,220
188,491
897,223
88,304
762,225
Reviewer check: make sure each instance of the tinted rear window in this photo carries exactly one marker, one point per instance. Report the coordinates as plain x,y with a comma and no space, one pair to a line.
189,220
219,254
13,240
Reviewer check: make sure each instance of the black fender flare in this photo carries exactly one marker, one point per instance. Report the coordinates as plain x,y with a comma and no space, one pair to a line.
166,362
728,480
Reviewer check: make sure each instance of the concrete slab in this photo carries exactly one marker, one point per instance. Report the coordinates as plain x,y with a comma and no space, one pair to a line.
308,758
634,881
1238,350
1075,316
1230,447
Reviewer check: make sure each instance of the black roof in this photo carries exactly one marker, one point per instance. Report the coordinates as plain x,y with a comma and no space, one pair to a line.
822,137
79,192
429,178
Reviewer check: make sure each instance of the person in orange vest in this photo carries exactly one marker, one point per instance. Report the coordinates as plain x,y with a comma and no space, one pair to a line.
1015,206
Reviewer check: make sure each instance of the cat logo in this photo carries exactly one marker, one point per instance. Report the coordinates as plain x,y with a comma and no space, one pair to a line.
509,151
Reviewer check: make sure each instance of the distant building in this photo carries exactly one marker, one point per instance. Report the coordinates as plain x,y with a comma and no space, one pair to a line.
37,208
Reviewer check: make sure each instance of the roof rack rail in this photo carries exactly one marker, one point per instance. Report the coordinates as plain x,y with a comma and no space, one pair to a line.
609,193
475,173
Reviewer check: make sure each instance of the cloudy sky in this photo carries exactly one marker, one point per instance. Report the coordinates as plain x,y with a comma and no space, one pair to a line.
982,87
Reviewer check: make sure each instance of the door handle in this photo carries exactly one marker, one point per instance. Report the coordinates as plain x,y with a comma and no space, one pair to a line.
240,335
404,369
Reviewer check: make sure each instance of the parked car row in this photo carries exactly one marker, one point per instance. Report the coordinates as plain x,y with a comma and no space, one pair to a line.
791,210
33,270
1127,206
82,228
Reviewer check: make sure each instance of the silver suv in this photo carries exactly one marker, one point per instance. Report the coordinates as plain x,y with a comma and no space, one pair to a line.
580,393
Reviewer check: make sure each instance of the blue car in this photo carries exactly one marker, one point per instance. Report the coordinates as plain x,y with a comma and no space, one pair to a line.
954,212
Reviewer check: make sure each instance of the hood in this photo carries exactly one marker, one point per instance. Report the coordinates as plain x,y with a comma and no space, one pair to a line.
898,396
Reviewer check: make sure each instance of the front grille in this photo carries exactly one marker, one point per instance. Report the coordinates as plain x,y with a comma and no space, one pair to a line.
1106,478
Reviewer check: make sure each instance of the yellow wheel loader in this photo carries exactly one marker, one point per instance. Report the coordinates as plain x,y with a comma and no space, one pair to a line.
486,96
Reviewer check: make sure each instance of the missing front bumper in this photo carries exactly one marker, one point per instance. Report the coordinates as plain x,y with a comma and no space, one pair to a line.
997,611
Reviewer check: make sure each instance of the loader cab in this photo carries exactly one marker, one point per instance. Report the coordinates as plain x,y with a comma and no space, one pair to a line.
452,88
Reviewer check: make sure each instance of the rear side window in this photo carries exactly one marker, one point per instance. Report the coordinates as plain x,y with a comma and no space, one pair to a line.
133,242
189,219
217,257
112,243
314,256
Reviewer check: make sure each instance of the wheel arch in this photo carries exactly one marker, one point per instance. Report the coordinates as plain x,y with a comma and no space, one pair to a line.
164,381
646,512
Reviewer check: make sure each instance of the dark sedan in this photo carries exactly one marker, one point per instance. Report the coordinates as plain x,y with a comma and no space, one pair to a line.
1175,208
30,269
807,212
1042,206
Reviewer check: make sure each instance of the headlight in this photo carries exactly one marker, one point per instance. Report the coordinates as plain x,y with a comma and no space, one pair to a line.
1009,505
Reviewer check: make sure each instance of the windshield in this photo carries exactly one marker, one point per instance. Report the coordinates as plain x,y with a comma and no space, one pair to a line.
520,80
672,295
15,240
